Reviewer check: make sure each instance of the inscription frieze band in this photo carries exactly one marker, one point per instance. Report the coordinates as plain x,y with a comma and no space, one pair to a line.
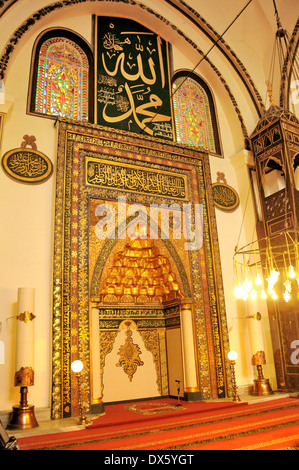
109,174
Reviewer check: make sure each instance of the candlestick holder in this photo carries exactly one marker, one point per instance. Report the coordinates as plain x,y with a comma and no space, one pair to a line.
232,356
22,416
178,382
77,367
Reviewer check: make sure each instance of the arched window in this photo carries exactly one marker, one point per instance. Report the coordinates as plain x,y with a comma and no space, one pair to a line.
62,77
194,113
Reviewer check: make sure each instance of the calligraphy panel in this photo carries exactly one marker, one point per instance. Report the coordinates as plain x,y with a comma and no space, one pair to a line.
119,176
133,86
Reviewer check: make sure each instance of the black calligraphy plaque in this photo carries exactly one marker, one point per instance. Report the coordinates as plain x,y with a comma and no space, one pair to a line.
132,78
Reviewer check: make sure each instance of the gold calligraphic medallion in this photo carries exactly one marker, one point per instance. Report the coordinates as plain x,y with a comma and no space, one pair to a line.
27,165
225,197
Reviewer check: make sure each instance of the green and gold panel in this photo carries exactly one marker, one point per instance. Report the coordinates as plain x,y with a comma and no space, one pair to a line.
132,78
98,166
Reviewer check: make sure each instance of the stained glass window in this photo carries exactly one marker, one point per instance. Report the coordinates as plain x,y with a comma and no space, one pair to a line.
62,80
193,116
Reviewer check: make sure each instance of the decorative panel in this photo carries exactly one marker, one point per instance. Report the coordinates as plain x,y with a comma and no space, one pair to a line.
62,80
132,76
92,227
193,117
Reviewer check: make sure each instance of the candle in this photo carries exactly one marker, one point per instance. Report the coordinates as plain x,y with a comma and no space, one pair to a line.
25,337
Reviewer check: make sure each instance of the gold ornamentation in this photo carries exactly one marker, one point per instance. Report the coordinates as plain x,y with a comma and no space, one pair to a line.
27,165
221,177
107,339
152,344
26,316
29,140
129,355
72,271
135,178
140,274
256,316
24,377
270,91
258,358
225,197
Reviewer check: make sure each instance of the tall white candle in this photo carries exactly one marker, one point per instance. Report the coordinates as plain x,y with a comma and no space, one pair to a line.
25,328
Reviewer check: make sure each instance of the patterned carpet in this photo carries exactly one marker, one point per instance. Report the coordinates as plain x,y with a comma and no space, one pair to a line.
267,425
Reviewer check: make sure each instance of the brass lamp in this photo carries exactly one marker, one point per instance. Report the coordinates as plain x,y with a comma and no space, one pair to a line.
232,356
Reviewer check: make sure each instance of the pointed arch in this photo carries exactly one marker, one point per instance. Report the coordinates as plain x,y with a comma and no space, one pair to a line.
194,112
107,249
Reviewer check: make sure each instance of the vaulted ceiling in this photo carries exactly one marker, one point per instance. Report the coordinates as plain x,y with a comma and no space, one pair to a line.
230,40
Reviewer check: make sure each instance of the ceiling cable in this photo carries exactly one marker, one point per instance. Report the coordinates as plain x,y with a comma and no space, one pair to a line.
202,58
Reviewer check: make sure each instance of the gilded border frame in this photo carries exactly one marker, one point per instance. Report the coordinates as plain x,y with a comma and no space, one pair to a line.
71,335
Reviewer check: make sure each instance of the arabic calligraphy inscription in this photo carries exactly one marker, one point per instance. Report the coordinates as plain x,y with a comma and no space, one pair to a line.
133,178
27,165
133,87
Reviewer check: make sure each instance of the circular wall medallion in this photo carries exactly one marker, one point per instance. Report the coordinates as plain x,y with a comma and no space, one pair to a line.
27,165
225,197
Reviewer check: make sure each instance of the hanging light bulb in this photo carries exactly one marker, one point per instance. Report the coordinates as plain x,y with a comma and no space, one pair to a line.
247,285
245,294
238,291
274,295
253,294
274,276
291,272
288,285
258,280
288,289
286,296
263,294
271,281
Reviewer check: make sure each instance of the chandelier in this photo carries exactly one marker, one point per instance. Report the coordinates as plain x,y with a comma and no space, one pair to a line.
268,267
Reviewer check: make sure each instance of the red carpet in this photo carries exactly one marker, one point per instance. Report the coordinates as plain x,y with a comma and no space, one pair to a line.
265,425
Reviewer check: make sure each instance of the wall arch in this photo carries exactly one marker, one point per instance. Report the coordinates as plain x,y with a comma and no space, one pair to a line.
209,109
107,249
35,17
76,39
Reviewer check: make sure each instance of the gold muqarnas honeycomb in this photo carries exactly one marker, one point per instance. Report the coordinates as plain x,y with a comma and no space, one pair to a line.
140,275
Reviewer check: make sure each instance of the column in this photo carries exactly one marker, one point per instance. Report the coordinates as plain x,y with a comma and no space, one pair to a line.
191,389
